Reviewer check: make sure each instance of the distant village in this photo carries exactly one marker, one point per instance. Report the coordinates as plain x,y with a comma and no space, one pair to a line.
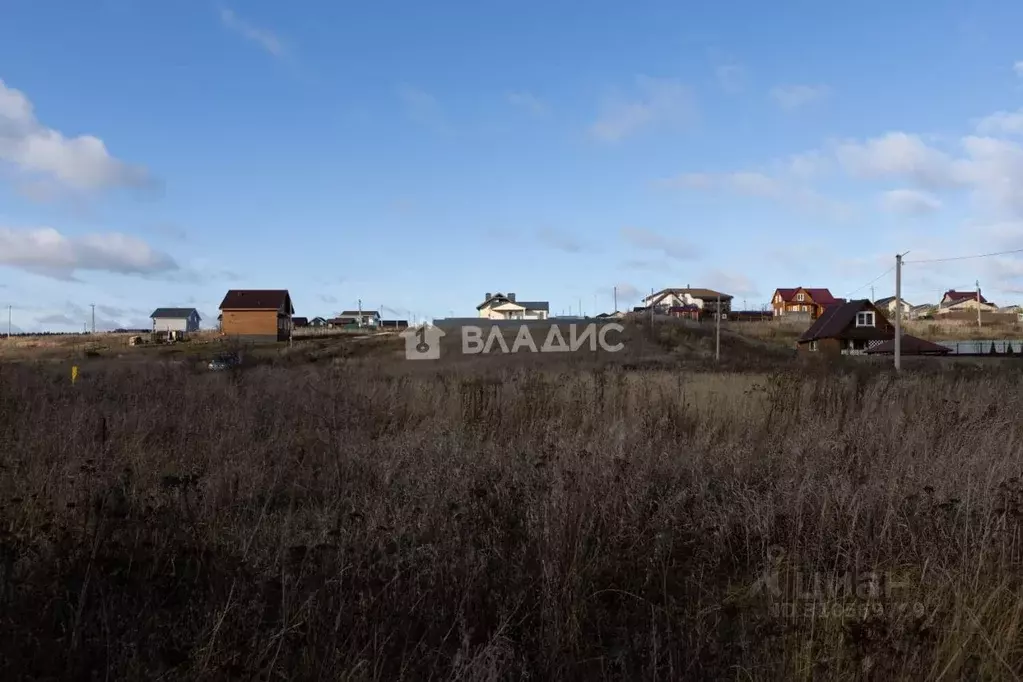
268,315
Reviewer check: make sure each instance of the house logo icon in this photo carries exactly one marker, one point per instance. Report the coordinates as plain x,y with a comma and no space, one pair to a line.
422,342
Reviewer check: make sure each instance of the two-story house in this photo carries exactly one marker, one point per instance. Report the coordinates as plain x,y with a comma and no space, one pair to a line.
887,305
805,302
175,320
257,314
671,301
955,301
507,307
848,328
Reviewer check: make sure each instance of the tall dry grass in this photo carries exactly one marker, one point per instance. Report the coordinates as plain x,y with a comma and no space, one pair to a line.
347,523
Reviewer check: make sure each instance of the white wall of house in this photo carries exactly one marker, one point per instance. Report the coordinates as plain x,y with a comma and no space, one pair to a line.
674,300
889,308
174,324
511,311
968,304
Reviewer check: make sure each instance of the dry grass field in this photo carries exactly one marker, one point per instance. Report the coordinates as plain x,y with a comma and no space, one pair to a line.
344,516
786,333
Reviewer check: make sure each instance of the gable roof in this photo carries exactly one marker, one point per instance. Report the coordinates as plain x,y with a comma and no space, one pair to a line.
300,321
702,294
837,317
817,295
528,305
356,313
173,313
258,299
958,296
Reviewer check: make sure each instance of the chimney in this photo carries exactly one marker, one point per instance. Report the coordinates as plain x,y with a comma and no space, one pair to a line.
511,297
487,297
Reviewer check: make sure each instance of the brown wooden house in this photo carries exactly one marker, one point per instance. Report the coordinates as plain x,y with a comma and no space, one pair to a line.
848,328
802,301
257,314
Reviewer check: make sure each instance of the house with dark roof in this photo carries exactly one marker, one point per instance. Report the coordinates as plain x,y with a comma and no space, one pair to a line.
957,301
685,299
507,307
257,314
362,318
805,302
299,322
175,320
848,328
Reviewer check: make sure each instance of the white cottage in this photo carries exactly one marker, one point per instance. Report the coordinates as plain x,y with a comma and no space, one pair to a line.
175,320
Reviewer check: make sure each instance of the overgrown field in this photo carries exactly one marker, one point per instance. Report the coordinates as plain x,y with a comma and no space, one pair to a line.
343,522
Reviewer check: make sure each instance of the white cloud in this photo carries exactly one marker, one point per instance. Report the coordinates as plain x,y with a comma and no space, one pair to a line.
528,101
422,107
777,188
261,36
909,201
731,77
899,154
656,102
796,96
47,252
81,163
652,241
1002,123
735,284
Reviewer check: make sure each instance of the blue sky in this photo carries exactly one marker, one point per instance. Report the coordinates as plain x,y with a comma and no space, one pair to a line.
418,155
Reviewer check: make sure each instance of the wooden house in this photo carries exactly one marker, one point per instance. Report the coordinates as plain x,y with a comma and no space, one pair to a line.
802,302
848,328
257,314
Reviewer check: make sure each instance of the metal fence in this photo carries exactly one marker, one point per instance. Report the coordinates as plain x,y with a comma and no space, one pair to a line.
983,346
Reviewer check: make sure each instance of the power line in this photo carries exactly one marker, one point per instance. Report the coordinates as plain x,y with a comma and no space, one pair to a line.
886,272
951,258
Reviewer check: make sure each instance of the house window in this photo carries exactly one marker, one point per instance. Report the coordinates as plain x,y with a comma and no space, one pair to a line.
813,345
865,318
800,297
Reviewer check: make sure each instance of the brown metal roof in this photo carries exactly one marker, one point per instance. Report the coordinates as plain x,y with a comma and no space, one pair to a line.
258,299
834,323
911,345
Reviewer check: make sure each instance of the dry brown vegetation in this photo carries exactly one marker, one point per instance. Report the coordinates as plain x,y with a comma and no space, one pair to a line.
786,333
484,520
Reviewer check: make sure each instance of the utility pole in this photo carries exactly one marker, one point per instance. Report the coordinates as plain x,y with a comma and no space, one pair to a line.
9,321
615,296
872,299
978,303
898,310
360,312
717,333
93,318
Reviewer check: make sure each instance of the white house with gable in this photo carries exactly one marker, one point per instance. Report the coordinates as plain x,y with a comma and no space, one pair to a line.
507,307
175,320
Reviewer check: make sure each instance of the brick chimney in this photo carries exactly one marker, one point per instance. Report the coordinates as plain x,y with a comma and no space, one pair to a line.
511,297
